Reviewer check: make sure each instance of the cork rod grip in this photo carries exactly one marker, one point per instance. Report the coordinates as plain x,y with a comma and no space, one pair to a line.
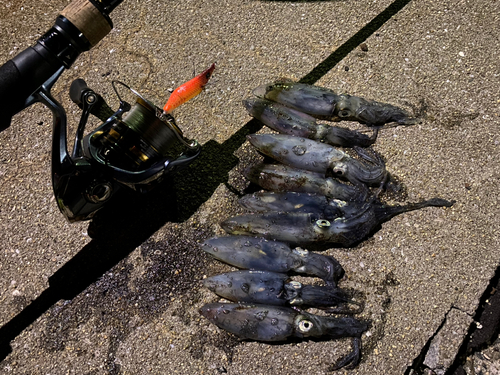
88,19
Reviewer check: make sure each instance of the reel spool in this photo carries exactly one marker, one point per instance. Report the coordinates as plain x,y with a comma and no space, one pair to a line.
143,137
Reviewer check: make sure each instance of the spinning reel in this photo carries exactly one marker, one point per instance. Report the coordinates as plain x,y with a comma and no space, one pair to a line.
136,146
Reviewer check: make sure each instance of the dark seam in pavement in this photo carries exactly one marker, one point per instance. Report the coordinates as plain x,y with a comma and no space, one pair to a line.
417,367
462,310
94,259
487,317
326,65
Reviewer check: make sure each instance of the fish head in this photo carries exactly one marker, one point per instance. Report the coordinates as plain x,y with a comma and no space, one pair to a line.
254,106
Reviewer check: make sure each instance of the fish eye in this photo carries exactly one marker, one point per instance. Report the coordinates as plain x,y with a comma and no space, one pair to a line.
305,326
344,110
340,169
323,223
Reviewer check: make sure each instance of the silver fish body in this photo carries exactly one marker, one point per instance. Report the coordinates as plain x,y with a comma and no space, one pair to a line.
300,228
310,155
305,228
293,202
324,103
282,178
275,323
289,121
250,286
298,152
247,252
277,289
281,118
255,322
317,101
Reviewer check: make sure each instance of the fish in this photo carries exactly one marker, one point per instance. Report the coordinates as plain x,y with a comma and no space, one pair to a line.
188,90
253,253
310,155
277,289
359,220
292,122
277,323
323,103
290,201
283,178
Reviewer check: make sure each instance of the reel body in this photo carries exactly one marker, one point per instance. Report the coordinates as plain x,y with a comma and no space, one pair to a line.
135,147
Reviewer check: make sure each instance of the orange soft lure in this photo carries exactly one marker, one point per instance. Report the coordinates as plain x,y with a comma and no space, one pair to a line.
188,90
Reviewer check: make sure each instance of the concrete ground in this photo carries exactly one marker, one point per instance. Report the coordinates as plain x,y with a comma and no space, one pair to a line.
121,296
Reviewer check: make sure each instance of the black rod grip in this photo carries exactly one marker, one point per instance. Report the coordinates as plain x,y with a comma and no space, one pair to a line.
19,78
9,76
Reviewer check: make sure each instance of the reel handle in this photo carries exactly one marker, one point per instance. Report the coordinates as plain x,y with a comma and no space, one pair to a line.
99,109
76,91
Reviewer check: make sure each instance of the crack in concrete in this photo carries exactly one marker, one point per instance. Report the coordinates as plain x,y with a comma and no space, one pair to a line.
480,333
462,310
485,327
417,363
439,353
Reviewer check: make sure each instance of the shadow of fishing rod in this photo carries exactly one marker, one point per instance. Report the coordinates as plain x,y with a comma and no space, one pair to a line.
336,56
121,227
